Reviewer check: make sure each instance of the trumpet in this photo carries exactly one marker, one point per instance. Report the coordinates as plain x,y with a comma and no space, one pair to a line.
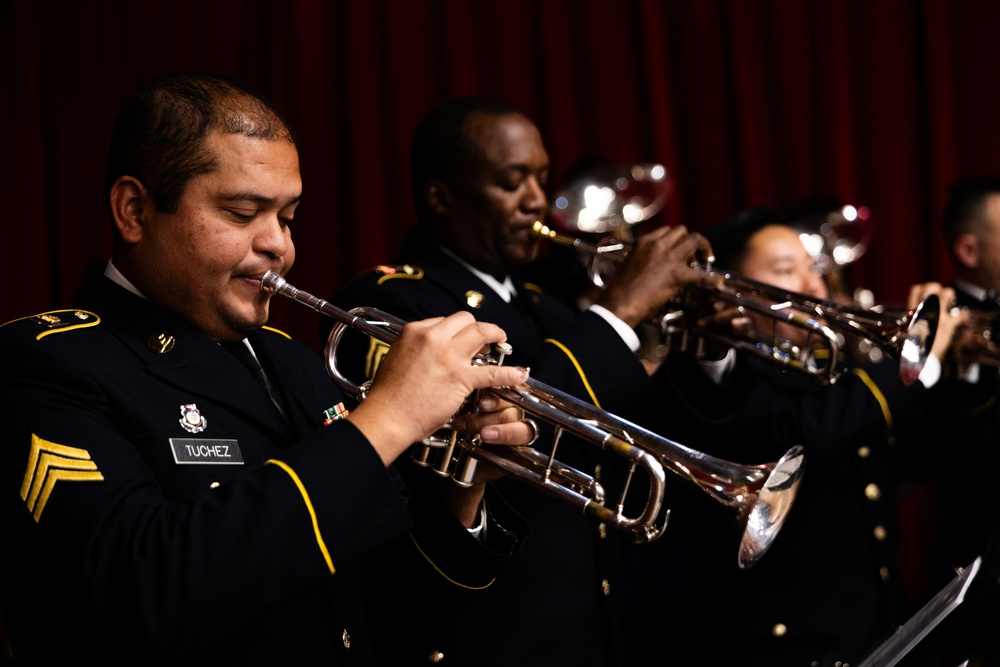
974,343
906,335
757,497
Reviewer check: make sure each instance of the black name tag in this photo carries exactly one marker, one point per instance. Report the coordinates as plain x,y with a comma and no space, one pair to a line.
205,450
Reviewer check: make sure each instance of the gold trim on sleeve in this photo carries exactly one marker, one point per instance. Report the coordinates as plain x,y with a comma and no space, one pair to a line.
312,512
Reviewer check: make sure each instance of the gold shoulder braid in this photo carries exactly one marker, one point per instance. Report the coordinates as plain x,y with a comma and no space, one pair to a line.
407,271
57,321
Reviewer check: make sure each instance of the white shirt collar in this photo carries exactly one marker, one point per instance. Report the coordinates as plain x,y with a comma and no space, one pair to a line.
112,272
974,291
505,289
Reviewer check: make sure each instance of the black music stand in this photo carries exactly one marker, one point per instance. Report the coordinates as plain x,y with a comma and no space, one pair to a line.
958,627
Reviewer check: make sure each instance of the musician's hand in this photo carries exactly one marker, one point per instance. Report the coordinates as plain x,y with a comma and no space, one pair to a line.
725,320
950,319
424,379
654,273
497,423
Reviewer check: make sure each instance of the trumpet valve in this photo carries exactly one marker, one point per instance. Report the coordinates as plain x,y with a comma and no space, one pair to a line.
464,469
504,350
422,455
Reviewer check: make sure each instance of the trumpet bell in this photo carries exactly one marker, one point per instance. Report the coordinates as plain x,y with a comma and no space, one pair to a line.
610,198
915,341
836,236
770,508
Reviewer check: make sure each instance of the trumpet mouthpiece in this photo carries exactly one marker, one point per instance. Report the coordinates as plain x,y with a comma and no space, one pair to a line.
271,282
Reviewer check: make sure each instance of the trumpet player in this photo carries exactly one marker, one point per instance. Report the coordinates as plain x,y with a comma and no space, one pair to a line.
829,588
167,500
958,510
480,172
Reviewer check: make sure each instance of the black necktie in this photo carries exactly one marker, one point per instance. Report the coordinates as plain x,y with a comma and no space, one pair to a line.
245,357
243,354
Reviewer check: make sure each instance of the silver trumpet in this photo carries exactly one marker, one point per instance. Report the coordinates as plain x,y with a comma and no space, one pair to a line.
758,497
906,335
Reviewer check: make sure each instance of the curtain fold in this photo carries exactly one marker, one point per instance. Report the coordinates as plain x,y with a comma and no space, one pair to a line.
747,103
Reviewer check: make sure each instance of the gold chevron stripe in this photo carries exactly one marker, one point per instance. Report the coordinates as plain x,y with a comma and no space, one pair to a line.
48,463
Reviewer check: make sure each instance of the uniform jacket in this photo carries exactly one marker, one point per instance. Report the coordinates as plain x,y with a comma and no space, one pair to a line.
556,604
959,444
159,510
828,589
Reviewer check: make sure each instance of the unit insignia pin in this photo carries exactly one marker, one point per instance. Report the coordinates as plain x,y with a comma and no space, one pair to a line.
191,419
47,319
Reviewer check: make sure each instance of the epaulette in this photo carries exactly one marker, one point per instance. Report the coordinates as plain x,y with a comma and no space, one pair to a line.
407,271
56,321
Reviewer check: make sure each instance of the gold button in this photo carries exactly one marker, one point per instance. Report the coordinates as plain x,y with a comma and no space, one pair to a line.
863,452
474,298
884,573
880,533
435,657
213,485
346,638
606,587
779,630
872,492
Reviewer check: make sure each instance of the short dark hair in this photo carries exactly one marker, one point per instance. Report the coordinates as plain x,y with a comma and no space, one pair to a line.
729,237
441,147
965,207
159,134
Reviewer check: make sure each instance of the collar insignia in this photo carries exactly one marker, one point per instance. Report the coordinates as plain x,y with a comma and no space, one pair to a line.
191,419
160,342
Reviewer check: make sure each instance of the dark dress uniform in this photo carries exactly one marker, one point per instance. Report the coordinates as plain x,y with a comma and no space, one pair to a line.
959,446
555,605
828,588
158,509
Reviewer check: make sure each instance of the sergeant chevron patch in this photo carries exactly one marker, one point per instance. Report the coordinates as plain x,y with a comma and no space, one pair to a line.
49,463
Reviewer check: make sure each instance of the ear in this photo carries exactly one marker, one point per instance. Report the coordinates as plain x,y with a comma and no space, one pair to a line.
129,202
967,250
438,197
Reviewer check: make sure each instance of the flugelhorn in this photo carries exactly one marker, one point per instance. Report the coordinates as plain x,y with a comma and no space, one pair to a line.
908,336
758,497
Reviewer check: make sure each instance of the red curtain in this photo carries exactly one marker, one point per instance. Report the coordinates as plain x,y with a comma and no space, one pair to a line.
747,102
